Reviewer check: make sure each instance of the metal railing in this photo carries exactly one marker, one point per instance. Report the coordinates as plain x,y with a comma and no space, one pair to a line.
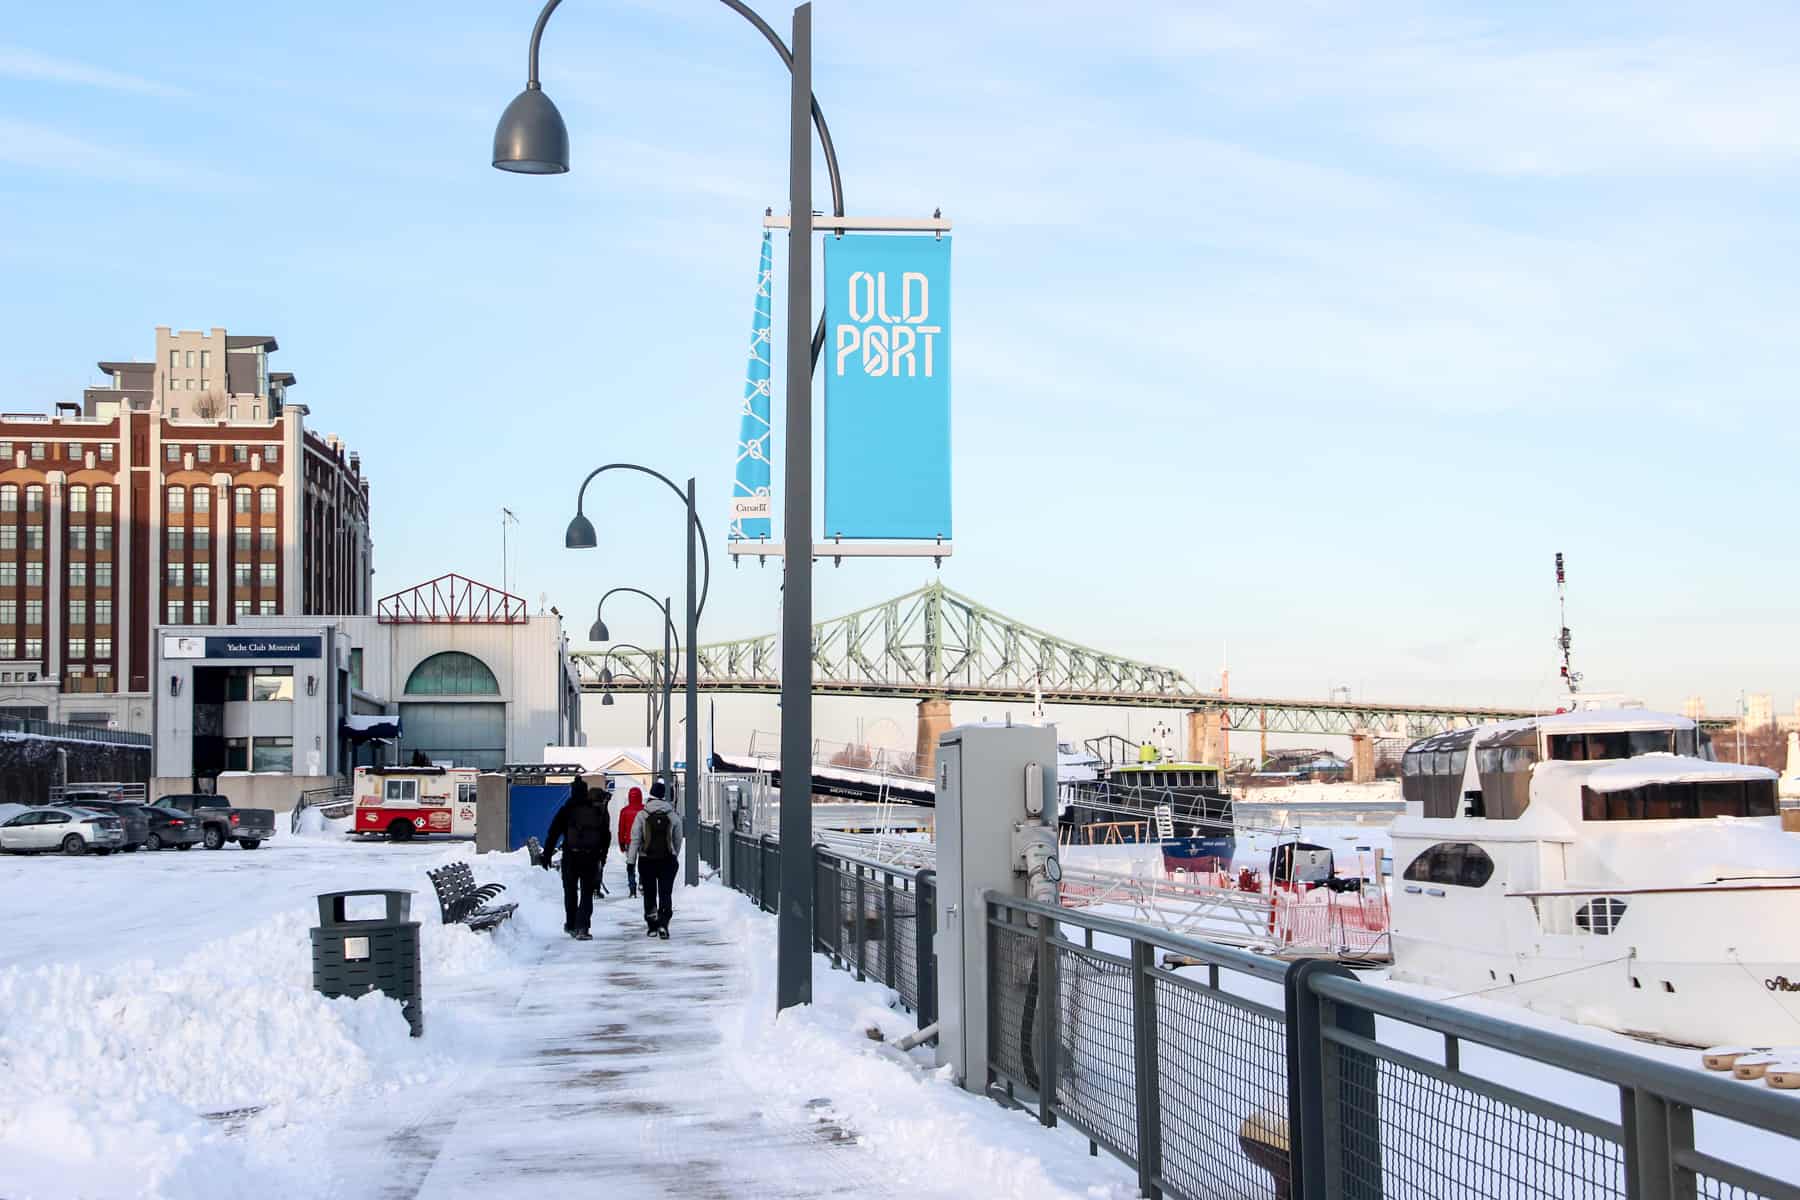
73,733
875,919
135,793
1219,1073
337,801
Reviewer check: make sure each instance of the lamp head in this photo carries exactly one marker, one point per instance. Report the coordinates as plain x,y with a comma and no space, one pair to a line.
605,699
598,632
581,533
606,676
531,138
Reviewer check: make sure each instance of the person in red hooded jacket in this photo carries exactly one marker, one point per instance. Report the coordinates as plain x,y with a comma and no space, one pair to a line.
634,804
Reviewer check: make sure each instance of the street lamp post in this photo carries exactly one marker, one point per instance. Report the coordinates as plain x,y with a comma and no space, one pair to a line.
598,633
532,139
580,536
661,681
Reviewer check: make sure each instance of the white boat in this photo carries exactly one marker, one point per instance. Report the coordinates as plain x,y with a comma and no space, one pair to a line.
1601,867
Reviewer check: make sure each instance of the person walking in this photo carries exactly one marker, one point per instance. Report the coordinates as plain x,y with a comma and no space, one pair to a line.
656,851
582,826
634,804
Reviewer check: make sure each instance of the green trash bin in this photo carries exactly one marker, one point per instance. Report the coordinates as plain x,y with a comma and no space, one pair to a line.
354,958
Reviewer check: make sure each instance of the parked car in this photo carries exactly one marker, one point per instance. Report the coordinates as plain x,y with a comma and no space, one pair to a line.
171,828
70,830
221,822
135,816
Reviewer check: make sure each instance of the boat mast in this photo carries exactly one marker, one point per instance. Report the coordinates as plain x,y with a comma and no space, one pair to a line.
1570,677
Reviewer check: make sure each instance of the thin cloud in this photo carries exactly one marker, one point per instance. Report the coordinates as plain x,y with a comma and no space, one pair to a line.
17,63
41,147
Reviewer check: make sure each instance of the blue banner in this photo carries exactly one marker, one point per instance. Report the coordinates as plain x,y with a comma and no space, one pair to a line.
750,499
887,387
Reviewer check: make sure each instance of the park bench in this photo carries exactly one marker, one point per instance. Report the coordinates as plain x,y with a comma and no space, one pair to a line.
461,901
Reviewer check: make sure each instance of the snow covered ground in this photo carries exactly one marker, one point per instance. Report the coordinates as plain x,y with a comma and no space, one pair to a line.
159,1038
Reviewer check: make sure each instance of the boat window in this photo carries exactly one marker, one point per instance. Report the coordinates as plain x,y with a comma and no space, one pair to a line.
1682,801
1459,762
1455,864
1409,763
1600,916
1594,747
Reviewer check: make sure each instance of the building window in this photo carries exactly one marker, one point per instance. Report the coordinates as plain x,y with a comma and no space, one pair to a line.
103,497
190,358
34,537
240,574
265,538
37,452
271,453
103,537
356,667
78,537
9,498
241,607
34,574
203,383
234,417
202,539
34,499
9,616
240,541
239,453
202,499
267,608
9,537
241,500
177,539
103,612
268,499
34,650
77,647
237,754
6,452
172,452
174,359
177,499
177,613
272,754
74,670
272,683
77,613
452,673
102,647
202,612
77,574
203,452
9,576
106,452
177,575
78,497
202,574
205,359
73,451
265,574
34,612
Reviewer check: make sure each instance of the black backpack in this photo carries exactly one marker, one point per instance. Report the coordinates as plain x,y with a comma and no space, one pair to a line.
658,842
589,828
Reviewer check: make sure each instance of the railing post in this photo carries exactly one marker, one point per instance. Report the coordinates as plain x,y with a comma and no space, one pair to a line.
925,914
1334,1139
890,973
861,934
1049,1039
1149,1085
1654,1130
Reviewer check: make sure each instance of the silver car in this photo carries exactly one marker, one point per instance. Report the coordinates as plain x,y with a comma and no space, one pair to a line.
69,830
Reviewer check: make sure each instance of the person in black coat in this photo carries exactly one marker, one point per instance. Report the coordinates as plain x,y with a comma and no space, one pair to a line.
583,826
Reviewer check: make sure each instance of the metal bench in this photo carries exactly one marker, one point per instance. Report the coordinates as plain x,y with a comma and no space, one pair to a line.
461,901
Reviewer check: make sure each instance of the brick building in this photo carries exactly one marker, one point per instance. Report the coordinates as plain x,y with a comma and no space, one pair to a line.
185,491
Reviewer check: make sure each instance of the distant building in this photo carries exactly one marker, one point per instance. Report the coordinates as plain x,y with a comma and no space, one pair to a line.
1759,712
1693,708
185,491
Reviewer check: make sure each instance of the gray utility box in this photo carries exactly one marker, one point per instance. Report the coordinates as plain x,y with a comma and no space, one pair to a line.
989,779
354,958
493,812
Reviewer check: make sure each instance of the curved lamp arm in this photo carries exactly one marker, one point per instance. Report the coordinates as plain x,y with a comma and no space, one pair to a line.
699,526
787,60
674,637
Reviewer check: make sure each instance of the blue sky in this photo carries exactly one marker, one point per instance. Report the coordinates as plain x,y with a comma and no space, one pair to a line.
1302,333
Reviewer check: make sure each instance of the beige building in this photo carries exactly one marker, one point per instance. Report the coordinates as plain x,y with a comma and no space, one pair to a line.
1693,708
1759,712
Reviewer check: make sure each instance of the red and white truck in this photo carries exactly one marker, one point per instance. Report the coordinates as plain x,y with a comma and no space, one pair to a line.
409,802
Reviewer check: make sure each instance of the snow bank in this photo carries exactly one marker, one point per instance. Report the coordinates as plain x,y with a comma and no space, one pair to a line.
197,1078
924,1128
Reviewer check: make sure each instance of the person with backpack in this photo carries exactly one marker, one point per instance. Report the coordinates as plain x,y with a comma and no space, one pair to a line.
656,851
584,828
634,804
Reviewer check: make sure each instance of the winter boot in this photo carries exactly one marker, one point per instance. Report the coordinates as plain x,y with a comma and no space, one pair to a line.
651,931
582,935
662,931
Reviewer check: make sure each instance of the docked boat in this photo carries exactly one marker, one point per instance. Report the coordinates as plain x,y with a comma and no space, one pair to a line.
1181,805
1600,866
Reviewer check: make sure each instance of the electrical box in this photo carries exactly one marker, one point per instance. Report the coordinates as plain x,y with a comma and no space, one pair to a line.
996,831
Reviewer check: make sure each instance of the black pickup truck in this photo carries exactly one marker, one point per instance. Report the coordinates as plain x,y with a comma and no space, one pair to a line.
221,822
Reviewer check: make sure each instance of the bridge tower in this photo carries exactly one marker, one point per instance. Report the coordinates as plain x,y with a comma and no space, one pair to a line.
934,722
1362,757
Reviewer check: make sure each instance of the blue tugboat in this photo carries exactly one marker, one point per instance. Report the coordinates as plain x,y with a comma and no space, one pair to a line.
1181,805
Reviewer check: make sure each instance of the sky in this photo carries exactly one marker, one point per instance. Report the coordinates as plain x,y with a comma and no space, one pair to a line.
1295,336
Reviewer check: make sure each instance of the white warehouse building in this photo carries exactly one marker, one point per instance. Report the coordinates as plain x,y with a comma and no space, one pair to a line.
451,671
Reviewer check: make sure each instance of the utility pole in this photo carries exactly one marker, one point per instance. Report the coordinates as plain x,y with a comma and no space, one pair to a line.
506,519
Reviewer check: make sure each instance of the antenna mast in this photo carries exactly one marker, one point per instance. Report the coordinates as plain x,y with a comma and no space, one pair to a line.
507,518
1570,677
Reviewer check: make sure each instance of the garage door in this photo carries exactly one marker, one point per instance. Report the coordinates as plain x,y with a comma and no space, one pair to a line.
469,735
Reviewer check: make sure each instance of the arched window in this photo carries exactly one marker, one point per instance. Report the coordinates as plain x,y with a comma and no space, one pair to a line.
177,499
452,673
9,498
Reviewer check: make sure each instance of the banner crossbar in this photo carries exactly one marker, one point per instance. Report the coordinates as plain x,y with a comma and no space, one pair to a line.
868,224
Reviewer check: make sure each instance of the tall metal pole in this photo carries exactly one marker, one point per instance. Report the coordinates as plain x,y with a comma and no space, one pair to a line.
690,821
795,933
668,712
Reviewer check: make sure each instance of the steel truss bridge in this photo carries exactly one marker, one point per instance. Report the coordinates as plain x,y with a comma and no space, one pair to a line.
937,644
